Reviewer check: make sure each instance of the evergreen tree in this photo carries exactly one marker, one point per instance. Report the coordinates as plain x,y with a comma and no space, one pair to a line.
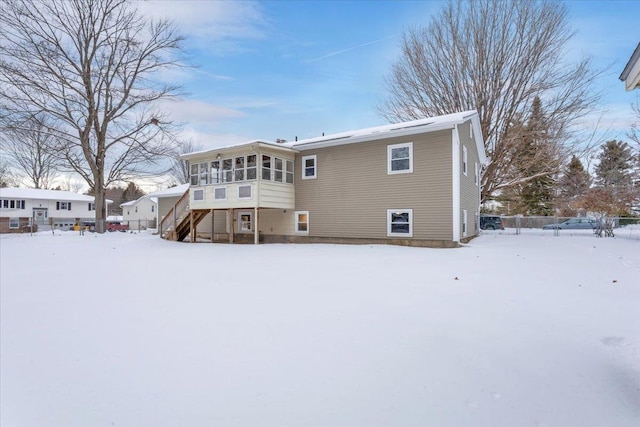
615,166
132,192
614,172
533,195
573,185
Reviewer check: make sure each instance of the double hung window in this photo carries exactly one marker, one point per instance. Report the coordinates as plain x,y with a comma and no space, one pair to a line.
266,168
400,158
289,172
302,222
251,167
239,169
216,172
227,170
310,167
277,170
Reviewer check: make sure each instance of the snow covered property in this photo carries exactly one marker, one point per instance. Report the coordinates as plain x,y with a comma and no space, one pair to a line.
23,209
413,183
528,330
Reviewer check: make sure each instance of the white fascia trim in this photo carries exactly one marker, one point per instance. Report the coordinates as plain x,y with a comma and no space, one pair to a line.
372,137
455,182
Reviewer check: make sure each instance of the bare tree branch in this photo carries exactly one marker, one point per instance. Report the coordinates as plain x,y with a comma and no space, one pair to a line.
28,147
493,56
91,66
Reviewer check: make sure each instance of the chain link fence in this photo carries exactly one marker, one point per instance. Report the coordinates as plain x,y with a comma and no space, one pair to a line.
570,226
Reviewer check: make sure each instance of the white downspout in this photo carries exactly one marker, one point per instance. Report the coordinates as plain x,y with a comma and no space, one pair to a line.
455,182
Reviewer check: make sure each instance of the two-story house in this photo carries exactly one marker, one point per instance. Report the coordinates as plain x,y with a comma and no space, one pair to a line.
21,207
414,183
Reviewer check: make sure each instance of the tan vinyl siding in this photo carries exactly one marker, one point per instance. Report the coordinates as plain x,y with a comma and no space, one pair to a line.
469,191
353,191
276,221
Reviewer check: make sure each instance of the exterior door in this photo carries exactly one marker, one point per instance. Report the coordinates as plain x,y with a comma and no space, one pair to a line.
41,216
245,222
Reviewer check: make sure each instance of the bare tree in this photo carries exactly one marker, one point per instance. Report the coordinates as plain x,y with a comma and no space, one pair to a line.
179,171
493,56
634,133
92,66
28,147
7,177
68,182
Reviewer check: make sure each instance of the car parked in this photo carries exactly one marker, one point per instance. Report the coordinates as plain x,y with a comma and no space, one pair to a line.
573,224
491,222
117,226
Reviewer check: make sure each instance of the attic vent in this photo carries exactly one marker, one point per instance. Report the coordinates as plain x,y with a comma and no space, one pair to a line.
413,126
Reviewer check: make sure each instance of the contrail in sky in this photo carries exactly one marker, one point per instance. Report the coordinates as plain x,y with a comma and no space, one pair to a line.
338,52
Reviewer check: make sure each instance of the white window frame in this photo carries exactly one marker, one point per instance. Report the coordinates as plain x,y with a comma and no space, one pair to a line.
465,223
92,206
242,229
289,168
464,160
215,196
250,192
313,157
390,158
14,223
63,206
476,173
390,233
298,222
199,191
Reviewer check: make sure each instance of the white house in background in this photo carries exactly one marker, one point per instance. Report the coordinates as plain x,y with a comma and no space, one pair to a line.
631,73
139,213
20,207
166,199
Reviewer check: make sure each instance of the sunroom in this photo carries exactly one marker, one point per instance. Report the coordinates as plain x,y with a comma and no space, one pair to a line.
228,189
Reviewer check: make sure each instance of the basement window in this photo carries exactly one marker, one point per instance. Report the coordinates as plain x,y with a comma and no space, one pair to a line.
400,222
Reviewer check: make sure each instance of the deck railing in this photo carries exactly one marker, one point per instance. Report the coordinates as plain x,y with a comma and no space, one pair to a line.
174,216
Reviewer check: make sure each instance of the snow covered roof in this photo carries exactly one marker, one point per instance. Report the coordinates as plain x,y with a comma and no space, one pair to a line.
170,192
32,193
413,127
631,73
431,124
133,202
258,142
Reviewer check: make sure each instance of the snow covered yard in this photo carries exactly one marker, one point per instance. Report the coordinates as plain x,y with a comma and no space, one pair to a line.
130,330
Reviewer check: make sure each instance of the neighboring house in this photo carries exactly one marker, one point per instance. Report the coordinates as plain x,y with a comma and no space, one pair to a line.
415,183
631,73
139,213
166,199
20,207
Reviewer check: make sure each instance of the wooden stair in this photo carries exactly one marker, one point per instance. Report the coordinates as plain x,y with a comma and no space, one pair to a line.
178,223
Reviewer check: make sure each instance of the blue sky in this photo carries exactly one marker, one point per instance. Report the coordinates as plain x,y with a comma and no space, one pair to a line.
281,69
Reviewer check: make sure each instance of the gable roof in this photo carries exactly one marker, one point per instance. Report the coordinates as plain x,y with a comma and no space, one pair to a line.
631,73
32,193
133,202
431,124
178,190
259,143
